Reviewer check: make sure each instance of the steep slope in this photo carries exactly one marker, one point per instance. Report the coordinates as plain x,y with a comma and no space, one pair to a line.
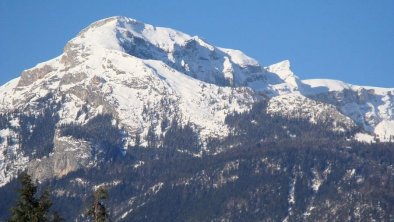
95,76
167,121
189,55
145,77
89,52
290,99
370,107
261,178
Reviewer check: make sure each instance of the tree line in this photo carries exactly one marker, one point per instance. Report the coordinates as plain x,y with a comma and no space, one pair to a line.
31,207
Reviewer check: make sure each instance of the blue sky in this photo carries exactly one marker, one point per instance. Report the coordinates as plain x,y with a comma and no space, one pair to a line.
350,40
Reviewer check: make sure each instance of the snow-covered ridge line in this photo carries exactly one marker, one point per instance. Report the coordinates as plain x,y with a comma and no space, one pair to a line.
109,32
143,75
337,85
118,60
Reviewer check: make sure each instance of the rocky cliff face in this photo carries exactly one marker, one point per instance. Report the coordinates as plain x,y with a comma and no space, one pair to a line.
370,107
122,84
141,75
68,156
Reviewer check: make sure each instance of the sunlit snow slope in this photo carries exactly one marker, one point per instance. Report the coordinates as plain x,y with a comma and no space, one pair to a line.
142,74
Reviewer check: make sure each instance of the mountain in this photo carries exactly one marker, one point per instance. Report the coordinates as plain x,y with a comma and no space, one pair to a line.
371,108
128,98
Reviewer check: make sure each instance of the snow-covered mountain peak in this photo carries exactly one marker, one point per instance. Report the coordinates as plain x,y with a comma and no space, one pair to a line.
128,36
282,69
101,33
145,76
331,85
240,58
111,32
123,53
288,81
325,85
187,54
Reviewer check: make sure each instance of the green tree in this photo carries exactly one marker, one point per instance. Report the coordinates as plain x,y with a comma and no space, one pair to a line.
97,210
29,208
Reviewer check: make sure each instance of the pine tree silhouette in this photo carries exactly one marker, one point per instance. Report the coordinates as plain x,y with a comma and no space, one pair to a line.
29,208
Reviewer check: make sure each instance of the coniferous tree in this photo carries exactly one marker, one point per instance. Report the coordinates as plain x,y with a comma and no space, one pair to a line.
151,137
29,208
97,210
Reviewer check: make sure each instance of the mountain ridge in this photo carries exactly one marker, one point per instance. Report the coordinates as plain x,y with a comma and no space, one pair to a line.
143,75
165,119
200,60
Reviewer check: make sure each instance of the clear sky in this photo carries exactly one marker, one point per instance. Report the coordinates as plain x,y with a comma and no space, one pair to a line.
350,40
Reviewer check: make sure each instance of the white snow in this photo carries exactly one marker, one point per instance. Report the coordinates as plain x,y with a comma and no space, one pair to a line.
385,130
7,93
183,85
324,85
240,58
291,197
316,181
228,70
291,82
320,177
8,169
139,164
155,188
349,174
107,184
364,137
298,106
282,69
105,36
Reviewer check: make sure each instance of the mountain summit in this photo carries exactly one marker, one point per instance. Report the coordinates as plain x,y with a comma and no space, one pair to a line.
189,55
121,85
142,75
